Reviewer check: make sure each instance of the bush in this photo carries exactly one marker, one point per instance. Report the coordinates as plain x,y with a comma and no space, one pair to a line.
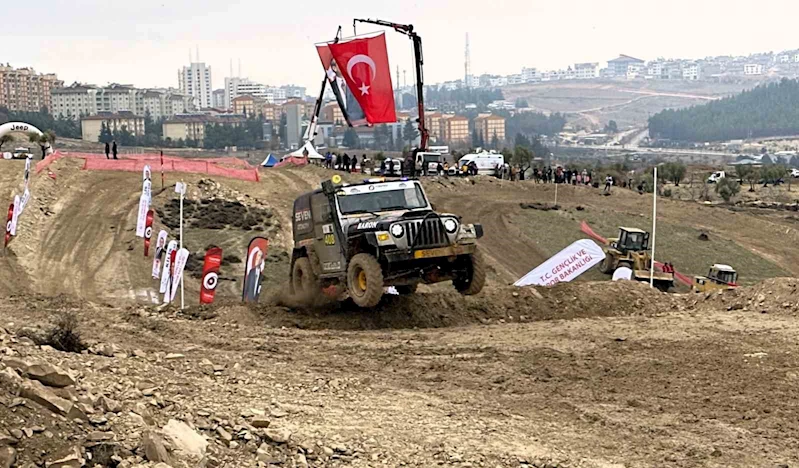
727,188
667,193
62,335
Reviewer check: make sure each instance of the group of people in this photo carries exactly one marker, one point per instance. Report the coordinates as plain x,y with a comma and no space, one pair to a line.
344,163
558,175
109,149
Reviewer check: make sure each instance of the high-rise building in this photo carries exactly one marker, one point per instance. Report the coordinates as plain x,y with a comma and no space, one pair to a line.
22,89
294,113
218,99
195,81
489,126
454,129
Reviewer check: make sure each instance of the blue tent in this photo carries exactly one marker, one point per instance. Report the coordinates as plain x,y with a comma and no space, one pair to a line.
269,161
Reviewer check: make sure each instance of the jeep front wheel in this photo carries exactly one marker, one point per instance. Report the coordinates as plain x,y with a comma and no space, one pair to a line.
471,280
303,279
365,280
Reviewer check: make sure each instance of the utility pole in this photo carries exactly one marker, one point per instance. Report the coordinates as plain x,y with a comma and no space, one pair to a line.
467,65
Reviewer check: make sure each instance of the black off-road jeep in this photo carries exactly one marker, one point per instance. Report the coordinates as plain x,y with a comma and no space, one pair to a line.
355,240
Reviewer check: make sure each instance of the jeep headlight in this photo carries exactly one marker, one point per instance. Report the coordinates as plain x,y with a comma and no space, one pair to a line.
450,225
397,231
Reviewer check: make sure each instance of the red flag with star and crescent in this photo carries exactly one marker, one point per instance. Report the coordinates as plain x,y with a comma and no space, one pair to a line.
364,64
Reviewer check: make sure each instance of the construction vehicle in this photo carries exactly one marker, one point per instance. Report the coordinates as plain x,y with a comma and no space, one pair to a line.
719,278
355,240
631,250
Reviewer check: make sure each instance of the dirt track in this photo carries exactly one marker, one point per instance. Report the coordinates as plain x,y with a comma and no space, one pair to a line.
589,374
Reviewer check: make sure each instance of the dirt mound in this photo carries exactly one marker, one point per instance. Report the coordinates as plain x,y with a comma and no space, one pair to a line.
776,295
447,309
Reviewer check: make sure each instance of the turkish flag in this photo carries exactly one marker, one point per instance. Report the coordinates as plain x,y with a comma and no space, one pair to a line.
8,223
213,260
364,64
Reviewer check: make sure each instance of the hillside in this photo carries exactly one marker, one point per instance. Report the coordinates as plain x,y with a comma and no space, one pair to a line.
580,375
768,110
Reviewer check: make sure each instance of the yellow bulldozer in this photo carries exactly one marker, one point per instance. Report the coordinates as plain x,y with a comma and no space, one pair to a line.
719,278
631,250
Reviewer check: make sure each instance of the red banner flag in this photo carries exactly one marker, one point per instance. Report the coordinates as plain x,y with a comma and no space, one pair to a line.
213,260
8,223
253,269
148,232
364,64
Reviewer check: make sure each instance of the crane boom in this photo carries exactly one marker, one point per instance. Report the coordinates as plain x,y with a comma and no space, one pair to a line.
407,29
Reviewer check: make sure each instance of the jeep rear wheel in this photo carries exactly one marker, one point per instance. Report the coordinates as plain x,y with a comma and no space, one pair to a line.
473,278
303,279
365,280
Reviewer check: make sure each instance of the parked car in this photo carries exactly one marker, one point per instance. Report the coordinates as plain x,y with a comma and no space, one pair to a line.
716,176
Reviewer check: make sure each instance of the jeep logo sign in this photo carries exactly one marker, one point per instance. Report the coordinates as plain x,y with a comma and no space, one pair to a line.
9,127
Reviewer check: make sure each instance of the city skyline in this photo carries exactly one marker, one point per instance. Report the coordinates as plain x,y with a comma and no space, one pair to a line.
152,41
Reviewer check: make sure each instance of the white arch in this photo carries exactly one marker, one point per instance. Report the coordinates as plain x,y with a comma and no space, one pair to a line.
22,127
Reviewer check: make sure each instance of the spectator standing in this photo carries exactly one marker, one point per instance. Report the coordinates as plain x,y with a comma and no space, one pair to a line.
608,183
353,163
107,150
114,149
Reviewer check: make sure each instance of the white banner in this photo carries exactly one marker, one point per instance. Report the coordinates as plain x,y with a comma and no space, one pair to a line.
141,221
180,263
622,273
15,216
25,198
146,190
173,245
146,174
160,246
566,265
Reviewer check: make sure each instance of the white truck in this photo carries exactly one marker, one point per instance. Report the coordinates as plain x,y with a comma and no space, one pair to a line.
716,176
486,161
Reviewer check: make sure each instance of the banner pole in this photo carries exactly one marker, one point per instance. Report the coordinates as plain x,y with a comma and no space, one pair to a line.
182,303
654,228
556,193
162,169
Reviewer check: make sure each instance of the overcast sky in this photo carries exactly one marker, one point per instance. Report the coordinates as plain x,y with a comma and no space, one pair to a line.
145,42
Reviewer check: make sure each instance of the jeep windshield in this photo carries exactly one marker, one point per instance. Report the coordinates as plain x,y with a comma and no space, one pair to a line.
374,198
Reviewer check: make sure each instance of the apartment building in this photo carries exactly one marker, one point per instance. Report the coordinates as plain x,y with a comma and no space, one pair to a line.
488,126
454,129
271,112
22,89
92,125
195,81
433,123
586,71
331,112
192,126
86,100
218,99
753,69
691,71
247,105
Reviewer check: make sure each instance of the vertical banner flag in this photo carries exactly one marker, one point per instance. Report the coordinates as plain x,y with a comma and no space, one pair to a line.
148,232
256,260
27,171
160,247
181,257
213,260
171,276
565,265
364,64
171,247
15,217
147,184
8,223
333,77
25,198
141,220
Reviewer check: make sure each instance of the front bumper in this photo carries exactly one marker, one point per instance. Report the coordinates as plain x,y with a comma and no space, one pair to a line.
394,256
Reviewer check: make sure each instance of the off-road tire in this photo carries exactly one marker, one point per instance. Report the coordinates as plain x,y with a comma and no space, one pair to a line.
606,265
371,295
303,279
407,289
474,280
624,265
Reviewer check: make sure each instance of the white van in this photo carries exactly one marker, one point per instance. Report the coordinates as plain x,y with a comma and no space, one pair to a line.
487,162
715,177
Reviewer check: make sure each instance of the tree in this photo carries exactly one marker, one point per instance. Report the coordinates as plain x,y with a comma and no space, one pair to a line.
673,172
105,134
612,127
727,188
350,138
409,132
521,103
494,141
5,139
749,174
33,137
381,137
521,140
523,158
51,137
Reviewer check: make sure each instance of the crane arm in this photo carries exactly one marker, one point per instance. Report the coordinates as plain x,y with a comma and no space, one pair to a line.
407,29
